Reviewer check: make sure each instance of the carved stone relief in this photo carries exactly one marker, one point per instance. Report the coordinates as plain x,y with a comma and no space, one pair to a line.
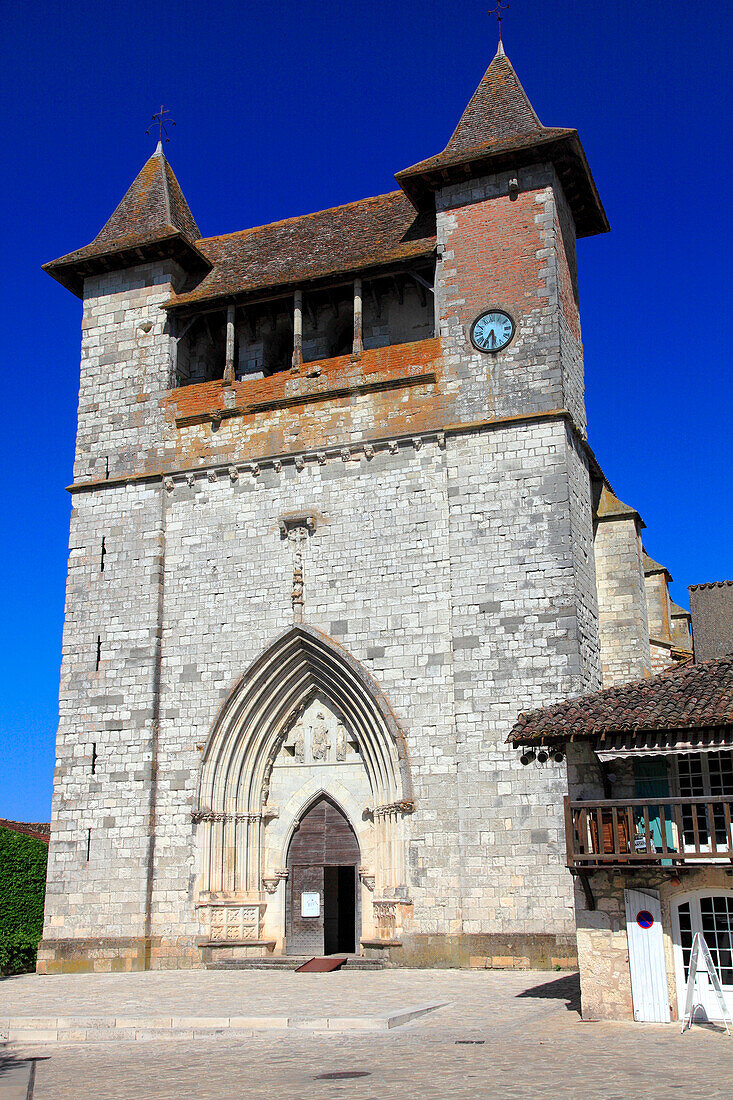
319,736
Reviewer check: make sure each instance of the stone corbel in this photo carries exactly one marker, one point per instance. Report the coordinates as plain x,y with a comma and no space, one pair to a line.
269,813
368,878
271,882
293,520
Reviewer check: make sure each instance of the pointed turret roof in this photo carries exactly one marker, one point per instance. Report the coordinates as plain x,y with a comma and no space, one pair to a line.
152,221
499,109
499,130
152,205
610,507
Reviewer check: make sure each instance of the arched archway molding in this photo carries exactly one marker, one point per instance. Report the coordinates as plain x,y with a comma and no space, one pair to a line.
233,808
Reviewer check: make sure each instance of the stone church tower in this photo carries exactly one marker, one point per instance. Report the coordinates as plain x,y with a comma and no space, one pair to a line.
332,530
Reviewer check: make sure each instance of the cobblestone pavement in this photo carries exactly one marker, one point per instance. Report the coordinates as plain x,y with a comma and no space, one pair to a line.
505,1035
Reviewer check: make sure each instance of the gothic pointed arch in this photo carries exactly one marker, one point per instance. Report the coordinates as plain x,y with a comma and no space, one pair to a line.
300,666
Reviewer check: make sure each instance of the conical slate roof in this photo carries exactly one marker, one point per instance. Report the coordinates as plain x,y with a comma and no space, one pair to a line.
500,130
152,221
152,205
499,109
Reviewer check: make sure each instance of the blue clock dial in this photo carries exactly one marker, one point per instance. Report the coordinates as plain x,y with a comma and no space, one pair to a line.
492,331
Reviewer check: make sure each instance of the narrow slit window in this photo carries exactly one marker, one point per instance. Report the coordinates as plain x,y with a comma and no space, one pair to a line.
94,757
99,652
89,843
102,555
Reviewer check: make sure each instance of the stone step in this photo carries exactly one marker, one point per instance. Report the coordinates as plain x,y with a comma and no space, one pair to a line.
97,1029
290,962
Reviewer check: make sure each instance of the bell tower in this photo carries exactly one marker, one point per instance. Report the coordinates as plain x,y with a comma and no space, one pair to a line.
511,196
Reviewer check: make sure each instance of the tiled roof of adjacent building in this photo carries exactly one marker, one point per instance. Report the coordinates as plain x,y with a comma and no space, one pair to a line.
709,584
691,697
41,830
366,234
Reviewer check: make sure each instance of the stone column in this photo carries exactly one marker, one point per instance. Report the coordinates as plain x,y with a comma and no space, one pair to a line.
297,329
229,365
358,321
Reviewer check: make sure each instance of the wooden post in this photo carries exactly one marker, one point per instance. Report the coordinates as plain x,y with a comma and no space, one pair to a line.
297,329
358,321
229,365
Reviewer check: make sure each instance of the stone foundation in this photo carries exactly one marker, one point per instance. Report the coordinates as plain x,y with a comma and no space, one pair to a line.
485,951
116,955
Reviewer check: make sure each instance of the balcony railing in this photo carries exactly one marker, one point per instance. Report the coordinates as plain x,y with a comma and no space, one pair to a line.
642,831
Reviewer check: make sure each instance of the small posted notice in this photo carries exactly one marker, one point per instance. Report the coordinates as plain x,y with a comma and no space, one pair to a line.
310,904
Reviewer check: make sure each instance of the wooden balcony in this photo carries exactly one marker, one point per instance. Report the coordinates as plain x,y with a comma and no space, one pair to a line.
643,832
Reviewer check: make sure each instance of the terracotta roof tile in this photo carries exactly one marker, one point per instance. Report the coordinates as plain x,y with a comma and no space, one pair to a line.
372,232
696,696
152,212
499,130
41,830
498,109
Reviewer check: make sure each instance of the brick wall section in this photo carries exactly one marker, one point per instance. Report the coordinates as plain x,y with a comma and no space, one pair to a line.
520,256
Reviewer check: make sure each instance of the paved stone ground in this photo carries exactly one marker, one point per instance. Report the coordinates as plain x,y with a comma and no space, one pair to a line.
506,1035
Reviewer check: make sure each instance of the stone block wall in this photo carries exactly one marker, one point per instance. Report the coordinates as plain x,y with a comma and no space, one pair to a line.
100,849
127,357
448,570
622,605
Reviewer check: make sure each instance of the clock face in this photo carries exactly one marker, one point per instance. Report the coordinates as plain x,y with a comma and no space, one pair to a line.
492,331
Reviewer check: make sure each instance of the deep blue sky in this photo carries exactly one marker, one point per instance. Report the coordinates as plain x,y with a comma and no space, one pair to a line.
288,108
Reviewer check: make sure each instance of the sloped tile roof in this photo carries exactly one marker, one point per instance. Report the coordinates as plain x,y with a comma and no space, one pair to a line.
152,212
498,130
498,109
41,830
696,696
366,234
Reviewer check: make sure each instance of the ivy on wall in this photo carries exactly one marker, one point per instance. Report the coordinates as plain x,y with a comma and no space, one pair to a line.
22,891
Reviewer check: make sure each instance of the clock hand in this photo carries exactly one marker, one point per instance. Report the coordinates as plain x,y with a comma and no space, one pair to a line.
492,337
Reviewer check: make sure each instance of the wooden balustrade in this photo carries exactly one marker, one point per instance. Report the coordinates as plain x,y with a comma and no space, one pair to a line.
644,831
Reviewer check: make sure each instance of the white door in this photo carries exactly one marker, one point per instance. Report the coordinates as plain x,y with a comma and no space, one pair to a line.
710,913
646,956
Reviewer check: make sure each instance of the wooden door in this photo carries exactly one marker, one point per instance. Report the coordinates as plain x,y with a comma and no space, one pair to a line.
322,860
647,964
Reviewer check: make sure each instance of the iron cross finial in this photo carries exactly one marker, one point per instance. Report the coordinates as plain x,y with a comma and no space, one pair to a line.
497,11
161,121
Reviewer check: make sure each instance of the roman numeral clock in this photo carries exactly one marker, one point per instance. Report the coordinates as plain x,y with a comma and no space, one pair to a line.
492,330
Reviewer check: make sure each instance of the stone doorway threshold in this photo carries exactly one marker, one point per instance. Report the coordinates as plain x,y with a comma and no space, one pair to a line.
94,1029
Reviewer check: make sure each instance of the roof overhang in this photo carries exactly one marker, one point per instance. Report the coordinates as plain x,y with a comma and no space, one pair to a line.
616,744
72,270
184,303
563,150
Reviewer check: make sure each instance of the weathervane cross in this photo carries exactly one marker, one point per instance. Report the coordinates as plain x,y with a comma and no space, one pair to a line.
497,11
161,121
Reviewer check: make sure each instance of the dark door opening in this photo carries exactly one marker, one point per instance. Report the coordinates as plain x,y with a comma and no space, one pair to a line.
321,896
339,910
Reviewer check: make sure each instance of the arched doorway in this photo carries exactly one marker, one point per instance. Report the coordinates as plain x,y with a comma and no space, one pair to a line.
305,721
322,906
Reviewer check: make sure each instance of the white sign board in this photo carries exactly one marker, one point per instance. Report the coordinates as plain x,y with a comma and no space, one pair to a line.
310,904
